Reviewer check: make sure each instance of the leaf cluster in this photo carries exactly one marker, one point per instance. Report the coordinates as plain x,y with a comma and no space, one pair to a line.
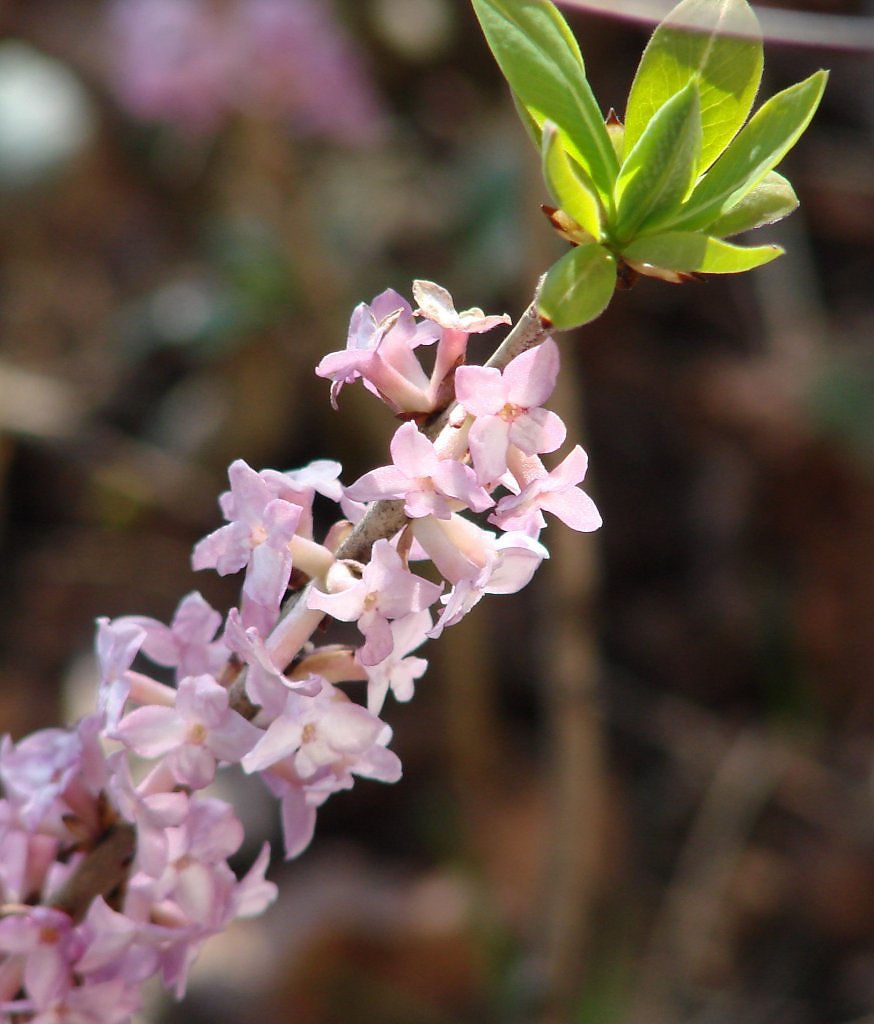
660,194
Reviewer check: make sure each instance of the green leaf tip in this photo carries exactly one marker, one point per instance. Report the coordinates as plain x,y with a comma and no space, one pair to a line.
760,145
662,166
717,43
540,59
690,252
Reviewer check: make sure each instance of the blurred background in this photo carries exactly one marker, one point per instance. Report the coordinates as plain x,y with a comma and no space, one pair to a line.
641,791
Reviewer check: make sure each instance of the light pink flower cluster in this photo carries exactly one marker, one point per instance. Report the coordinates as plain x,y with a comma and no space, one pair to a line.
252,689
192,63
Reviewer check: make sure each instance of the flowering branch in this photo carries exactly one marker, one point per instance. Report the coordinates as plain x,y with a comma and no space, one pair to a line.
110,874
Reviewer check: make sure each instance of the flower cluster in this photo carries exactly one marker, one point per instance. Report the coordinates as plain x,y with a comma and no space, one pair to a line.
252,689
192,63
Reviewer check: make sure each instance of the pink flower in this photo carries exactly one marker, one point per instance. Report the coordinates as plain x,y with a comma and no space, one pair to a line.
397,672
188,643
25,860
192,63
313,749
300,486
327,738
117,645
152,813
554,492
476,563
169,62
257,537
53,773
507,409
107,1002
192,737
266,685
297,63
379,349
425,481
49,946
436,304
386,590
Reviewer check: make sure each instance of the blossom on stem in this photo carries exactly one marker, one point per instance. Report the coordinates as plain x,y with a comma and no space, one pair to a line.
475,562
266,685
193,736
117,645
328,739
385,590
379,350
53,773
300,486
507,407
188,643
48,945
428,484
556,492
257,538
398,672
436,304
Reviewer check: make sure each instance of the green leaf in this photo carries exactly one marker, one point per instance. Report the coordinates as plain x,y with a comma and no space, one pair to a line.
771,200
540,59
578,287
570,186
718,43
757,149
662,167
690,252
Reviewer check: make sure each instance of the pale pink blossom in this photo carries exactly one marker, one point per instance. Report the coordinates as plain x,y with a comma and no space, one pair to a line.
436,304
192,737
556,492
257,537
380,350
194,64
152,813
188,644
169,62
507,406
398,672
313,750
296,63
476,562
429,485
117,645
107,1002
266,685
300,486
385,590
54,772
328,739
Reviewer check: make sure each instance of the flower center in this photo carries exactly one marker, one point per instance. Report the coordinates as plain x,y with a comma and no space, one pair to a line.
197,734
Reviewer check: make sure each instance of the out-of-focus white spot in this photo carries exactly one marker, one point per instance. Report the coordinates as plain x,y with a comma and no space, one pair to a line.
416,29
46,117
181,311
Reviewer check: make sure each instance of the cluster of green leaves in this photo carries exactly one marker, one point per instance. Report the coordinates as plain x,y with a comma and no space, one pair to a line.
661,194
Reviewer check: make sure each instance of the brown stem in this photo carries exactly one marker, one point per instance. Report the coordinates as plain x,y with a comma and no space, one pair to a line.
99,873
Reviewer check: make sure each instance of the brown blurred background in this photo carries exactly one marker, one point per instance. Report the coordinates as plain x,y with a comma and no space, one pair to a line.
641,792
